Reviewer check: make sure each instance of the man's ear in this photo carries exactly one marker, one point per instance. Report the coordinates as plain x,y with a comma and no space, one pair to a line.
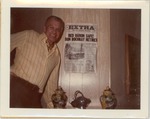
44,29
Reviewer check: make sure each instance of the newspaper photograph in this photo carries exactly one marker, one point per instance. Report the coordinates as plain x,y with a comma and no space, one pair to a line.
80,48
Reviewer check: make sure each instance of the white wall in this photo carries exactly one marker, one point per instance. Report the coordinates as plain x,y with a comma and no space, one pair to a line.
90,84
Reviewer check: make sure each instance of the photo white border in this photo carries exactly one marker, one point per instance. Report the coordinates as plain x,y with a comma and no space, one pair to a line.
88,113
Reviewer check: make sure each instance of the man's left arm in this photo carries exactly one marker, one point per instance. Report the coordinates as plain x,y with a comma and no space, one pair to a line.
51,86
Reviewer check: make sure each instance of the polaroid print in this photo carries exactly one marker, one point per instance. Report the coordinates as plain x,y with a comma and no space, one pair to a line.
102,69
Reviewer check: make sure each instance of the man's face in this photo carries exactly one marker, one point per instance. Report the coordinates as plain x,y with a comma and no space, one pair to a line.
53,31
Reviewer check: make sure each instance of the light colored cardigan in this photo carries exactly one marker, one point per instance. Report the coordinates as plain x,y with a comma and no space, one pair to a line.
34,63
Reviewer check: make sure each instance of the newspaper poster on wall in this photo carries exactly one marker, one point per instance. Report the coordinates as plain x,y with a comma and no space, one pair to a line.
80,48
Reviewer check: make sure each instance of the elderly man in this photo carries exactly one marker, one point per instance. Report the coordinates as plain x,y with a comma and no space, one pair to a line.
36,65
